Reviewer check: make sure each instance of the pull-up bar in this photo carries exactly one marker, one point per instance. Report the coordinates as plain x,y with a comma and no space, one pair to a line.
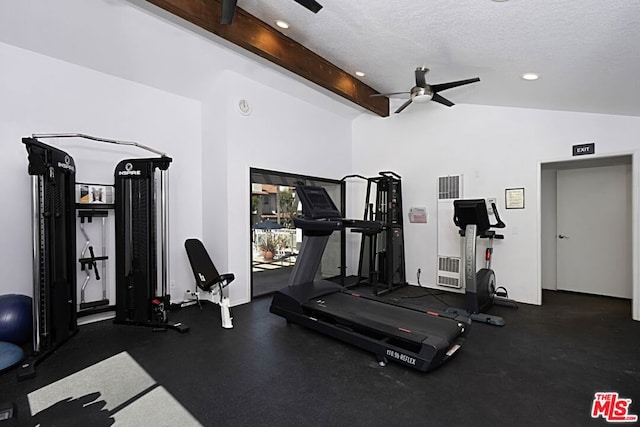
95,138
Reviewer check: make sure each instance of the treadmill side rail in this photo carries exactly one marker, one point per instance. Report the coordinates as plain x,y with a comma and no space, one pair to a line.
418,349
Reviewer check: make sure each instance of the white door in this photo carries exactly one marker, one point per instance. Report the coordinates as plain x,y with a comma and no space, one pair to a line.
594,230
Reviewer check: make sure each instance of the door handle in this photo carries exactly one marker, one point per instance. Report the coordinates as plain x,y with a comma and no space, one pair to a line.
562,236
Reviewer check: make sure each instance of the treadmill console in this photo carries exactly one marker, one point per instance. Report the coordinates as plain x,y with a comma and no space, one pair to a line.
316,203
319,213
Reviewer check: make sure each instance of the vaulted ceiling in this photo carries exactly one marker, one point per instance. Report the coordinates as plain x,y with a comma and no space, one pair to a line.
587,53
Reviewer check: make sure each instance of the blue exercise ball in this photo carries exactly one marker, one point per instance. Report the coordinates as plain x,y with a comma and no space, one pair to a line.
16,319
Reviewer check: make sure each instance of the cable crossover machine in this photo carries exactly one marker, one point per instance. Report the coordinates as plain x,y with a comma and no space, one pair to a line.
382,258
141,230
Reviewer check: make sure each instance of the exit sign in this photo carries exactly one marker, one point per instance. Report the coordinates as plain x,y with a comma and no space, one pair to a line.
583,149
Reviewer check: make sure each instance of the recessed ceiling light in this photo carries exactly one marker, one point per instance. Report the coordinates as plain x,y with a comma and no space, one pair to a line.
500,1
282,24
530,76
360,74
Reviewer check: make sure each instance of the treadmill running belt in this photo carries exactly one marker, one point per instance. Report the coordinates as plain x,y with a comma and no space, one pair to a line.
406,324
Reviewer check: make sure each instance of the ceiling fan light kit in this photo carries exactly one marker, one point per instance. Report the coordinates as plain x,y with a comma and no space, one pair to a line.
423,92
422,98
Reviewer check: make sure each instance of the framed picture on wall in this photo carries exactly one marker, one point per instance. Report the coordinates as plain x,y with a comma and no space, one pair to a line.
514,198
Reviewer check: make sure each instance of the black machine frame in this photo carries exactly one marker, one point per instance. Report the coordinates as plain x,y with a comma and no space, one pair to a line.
142,274
54,244
54,256
382,257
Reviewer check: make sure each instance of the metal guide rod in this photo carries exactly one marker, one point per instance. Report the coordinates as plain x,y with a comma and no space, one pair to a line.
35,211
95,138
164,229
104,253
82,252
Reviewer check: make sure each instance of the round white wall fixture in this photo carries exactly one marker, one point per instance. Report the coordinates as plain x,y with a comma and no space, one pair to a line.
245,107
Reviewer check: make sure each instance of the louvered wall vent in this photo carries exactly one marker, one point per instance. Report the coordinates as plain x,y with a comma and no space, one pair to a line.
449,187
448,274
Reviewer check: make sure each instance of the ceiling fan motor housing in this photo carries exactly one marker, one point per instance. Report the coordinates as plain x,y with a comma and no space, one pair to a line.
421,94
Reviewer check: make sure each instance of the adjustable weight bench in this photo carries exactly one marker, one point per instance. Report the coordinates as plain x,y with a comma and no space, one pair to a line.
208,279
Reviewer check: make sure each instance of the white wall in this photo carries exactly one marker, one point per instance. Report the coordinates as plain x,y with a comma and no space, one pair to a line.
282,133
44,95
127,70
150,62
495,148
140,42
549,225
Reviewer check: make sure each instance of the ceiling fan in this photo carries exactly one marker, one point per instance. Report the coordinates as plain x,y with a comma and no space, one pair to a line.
229,8
423,92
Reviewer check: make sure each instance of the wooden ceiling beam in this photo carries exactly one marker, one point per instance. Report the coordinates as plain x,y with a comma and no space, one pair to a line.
256,36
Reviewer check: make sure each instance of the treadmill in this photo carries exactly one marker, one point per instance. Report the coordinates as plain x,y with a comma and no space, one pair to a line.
422,340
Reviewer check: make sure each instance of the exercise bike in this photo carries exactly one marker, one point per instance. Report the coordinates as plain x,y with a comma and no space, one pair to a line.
472,217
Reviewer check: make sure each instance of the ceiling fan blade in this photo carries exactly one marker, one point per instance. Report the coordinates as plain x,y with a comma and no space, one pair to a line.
445,86
420,79
389,94
312,5
403,106
442,100
228,10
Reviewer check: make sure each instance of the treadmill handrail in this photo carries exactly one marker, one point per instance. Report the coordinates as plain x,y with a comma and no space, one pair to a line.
363,224
311,224
334,224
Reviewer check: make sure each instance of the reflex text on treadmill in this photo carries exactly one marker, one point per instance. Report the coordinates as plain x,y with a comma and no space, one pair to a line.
402,357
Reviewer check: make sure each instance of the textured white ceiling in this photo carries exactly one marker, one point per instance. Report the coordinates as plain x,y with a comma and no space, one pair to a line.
587,52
